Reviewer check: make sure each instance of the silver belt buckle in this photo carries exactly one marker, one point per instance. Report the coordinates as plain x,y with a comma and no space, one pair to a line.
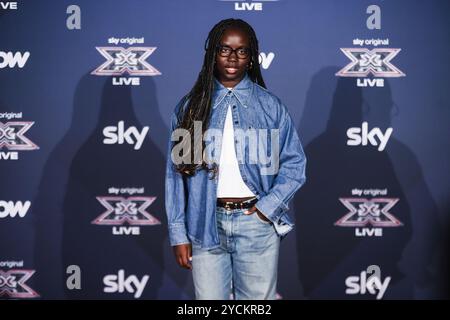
227,206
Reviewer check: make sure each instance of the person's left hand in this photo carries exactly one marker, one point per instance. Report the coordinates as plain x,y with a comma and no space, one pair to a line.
253,209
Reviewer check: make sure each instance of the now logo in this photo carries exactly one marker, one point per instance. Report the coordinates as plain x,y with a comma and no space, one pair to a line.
362,136
10,208
10,59
118,283
265,60
118,134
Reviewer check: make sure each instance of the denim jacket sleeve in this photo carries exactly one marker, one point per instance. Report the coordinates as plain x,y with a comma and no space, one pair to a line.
291,174
175,197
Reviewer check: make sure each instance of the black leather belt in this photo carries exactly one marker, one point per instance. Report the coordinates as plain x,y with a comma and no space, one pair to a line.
237,205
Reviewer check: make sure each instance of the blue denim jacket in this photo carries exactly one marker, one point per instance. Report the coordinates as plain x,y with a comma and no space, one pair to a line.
191,201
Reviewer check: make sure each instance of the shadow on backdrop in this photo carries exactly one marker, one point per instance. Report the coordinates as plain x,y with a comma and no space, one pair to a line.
328,254
82,168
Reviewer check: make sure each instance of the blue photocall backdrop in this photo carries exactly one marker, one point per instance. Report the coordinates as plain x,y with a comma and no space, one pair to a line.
84,126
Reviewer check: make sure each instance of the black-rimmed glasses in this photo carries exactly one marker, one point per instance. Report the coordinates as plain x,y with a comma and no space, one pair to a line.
241,53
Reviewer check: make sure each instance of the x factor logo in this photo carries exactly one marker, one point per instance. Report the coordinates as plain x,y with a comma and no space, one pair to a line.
13,284
375,61
12,136
120,210
363,212
131,60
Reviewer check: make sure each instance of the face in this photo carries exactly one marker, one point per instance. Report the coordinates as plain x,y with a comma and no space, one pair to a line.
230,70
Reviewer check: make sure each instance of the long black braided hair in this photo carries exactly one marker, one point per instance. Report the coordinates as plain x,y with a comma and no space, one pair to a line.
199,98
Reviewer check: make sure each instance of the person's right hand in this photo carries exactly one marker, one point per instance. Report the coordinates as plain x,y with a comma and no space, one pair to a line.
183,255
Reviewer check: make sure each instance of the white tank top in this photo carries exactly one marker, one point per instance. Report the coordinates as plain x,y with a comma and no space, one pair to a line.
230,183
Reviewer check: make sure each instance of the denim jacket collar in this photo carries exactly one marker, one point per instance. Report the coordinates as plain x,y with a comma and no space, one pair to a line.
242,91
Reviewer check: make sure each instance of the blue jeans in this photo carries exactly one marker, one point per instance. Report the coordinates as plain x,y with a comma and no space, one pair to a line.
244,265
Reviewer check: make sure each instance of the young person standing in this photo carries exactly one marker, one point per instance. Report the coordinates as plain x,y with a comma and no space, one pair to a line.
227,217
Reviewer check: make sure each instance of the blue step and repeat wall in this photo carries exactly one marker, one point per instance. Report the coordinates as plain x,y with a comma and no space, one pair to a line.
86,92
